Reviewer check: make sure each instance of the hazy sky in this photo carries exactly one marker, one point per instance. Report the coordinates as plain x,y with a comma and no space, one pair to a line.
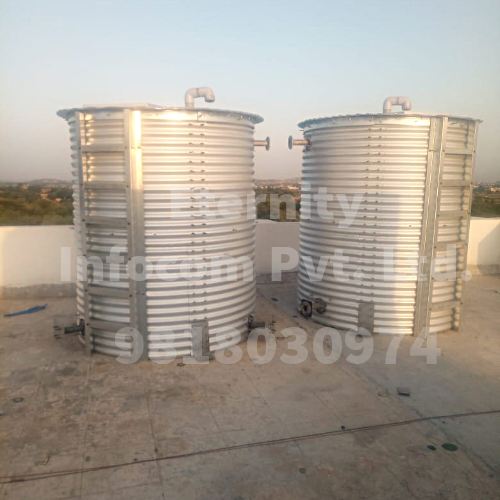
287,61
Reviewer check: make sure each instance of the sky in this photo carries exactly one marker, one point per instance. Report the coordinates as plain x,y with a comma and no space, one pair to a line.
285,60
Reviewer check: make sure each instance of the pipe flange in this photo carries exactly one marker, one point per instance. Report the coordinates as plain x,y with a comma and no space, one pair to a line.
305,308
319,306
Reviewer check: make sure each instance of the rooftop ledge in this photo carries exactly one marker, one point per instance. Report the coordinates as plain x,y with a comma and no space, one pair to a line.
30,261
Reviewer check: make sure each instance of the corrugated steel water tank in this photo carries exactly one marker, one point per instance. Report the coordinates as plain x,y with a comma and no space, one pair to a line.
413,173
147,182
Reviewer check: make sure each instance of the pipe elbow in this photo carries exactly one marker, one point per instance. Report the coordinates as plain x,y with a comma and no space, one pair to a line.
404,102
206,92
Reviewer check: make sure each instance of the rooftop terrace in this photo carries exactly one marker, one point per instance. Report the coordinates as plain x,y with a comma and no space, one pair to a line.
78,427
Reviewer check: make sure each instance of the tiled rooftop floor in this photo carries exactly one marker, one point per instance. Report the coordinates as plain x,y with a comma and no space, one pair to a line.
79,412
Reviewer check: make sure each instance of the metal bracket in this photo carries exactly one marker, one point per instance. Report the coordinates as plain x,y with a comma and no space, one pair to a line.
200,340
366,313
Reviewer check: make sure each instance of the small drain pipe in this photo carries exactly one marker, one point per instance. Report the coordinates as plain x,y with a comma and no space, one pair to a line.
298,142
266,143
404,102
252,324
79,328
206,92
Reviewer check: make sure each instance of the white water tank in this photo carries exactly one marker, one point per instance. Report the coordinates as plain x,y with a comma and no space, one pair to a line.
412,173
150,179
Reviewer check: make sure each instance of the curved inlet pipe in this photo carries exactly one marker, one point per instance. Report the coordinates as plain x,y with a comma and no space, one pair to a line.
404,102
206,92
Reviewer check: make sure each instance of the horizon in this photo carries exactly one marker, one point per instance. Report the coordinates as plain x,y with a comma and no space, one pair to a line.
256,179
275,65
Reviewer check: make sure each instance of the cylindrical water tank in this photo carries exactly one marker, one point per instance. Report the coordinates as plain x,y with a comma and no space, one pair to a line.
170,188
378,191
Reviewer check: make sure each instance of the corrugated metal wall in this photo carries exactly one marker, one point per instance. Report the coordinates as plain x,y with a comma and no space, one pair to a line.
384,159
184,154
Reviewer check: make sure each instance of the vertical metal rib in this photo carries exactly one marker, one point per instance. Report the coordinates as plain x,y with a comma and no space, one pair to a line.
79,127
423,299
135,219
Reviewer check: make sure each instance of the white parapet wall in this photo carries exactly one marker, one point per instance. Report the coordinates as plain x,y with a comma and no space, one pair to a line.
31,264
272,234
483,256
30,261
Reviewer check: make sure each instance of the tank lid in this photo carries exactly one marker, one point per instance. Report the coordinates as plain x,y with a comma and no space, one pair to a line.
145,106
372,116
